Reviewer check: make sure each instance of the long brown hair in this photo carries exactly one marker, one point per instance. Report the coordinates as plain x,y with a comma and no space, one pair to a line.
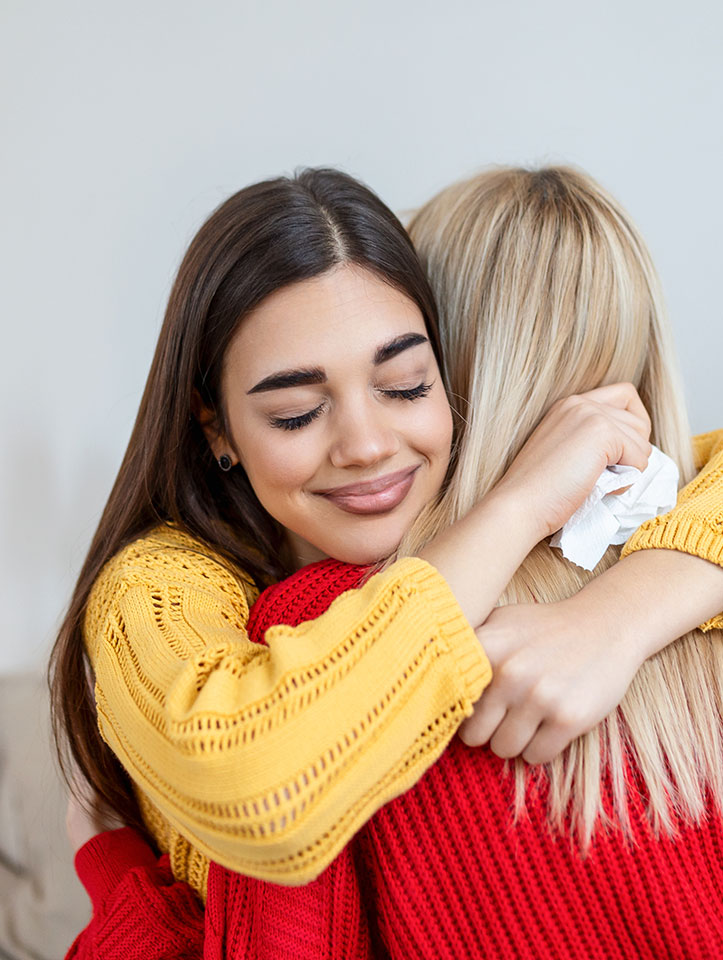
264,237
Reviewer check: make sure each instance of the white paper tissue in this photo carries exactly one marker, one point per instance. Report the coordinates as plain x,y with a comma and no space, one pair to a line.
604,519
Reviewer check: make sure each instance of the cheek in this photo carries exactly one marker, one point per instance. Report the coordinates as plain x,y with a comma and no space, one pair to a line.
435,432
277,468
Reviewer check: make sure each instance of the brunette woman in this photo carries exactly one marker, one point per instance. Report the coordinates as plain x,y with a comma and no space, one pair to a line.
172,727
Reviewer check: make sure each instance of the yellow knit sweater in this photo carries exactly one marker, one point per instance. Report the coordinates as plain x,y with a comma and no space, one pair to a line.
695,526
268,762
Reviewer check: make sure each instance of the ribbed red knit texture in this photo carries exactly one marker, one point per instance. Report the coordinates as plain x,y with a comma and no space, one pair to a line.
325,918
139,911
440,873
445,873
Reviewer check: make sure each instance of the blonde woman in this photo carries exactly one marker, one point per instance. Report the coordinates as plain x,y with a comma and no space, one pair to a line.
543,264
546,289
614,848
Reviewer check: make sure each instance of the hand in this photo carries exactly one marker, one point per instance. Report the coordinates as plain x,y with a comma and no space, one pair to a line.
558,670
571,446
87,815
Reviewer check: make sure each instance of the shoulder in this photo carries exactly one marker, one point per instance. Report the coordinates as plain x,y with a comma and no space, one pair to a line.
168,559
706,446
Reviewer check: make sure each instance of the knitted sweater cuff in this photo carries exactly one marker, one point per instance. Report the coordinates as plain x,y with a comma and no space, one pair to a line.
474,667
103,861
688,535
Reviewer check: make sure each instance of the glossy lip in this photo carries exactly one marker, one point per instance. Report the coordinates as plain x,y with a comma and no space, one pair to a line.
375,496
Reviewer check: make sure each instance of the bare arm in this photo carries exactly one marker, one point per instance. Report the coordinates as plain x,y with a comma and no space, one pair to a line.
560,668
546,483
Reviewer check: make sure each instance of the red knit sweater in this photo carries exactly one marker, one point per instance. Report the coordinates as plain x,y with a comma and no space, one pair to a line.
442,872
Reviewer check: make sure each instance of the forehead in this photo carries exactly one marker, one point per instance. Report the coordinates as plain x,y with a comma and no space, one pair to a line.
341,316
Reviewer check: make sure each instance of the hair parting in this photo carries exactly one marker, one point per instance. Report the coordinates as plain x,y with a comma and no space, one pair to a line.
266,236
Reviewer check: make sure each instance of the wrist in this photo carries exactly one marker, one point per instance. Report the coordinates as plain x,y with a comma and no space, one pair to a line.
478,554
520,512
618,620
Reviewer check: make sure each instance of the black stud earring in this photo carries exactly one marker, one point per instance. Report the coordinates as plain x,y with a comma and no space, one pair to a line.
224,462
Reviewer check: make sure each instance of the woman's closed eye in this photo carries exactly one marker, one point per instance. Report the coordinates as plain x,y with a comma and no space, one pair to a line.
409,393
304,419
298,421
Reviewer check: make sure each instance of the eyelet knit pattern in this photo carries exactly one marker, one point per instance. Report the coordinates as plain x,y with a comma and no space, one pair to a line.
443,871
695,525
229,743
440,872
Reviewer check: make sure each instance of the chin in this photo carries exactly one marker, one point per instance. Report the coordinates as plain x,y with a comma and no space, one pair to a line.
364,554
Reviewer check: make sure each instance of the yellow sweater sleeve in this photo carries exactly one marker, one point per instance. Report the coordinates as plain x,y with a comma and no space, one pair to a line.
269,759
695,524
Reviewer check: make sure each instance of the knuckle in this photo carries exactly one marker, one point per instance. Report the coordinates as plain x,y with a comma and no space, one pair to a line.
564,719
514,674
569,718
545,697
574,403
599,420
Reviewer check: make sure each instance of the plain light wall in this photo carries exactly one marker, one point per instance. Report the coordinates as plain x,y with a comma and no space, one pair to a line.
125,124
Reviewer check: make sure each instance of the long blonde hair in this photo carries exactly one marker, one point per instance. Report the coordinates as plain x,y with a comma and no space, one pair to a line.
546,289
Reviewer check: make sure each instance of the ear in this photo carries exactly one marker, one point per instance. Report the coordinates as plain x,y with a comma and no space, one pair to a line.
208,420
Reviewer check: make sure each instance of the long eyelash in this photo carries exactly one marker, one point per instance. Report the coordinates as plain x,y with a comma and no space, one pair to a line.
413,393
295,423
304,419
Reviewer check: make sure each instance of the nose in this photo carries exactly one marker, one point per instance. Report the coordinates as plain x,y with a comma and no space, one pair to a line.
363,436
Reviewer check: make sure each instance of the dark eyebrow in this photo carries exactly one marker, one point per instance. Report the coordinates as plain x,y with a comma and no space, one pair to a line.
398,345
311,375
289,378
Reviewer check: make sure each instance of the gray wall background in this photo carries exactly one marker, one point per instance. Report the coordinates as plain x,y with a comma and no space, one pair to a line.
125,124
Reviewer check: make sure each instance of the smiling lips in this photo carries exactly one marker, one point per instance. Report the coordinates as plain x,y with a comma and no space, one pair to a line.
376,496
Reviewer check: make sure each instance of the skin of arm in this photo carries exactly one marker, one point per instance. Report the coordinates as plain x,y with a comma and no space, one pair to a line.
181,692
637,613
548,684
560,668
586,433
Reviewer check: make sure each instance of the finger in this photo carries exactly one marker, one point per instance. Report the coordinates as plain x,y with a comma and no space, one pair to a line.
489,713
495,644
515,732
641,425
632,449
616,493
549,741
624,433
621,395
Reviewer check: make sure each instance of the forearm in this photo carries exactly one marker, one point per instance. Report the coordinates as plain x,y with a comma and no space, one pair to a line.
561,667
548,480
308,736
479,554
692,529
652,597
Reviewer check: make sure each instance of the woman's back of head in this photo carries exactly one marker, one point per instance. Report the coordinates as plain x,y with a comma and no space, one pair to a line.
545,289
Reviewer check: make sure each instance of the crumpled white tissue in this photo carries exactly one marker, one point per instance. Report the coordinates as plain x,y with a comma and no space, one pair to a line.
604,519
